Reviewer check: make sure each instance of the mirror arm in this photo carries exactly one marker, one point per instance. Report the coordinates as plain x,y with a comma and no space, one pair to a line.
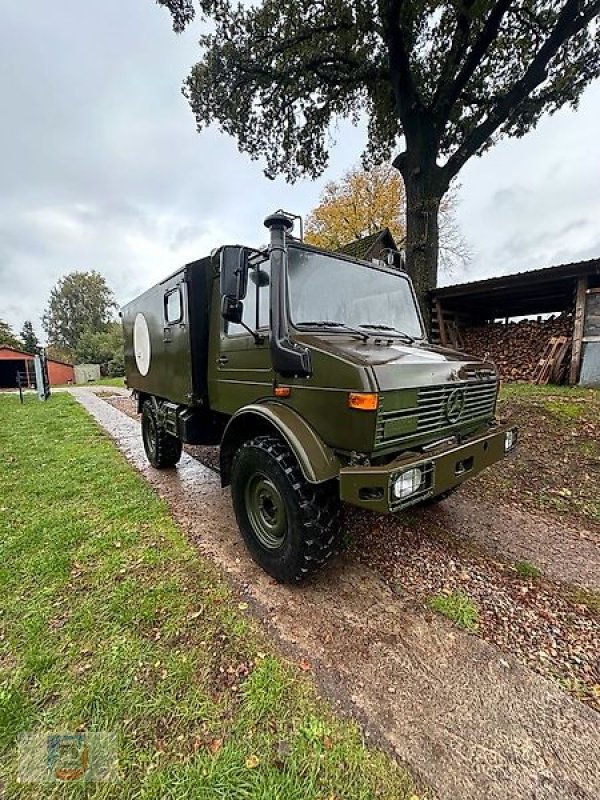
258,339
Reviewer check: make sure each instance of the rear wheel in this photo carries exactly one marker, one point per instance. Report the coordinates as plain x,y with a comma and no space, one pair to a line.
290,526
162,449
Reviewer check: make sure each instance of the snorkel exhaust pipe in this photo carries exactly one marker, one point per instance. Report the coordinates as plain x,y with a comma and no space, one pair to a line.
289,358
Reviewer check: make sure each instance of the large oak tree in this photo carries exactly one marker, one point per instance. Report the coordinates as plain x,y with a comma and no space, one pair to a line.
438,81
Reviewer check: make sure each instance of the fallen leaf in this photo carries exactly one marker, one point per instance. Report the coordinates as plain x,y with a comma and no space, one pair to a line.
215,745
252,762
304,664
242,606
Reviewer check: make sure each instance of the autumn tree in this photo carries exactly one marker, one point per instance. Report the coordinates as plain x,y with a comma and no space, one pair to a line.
366,201
80,302
28,336
437,82
8,337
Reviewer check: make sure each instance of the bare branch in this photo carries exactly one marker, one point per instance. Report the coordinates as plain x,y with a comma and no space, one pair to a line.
570,20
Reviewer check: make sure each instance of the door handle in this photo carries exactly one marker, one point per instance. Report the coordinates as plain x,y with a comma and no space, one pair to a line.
222,360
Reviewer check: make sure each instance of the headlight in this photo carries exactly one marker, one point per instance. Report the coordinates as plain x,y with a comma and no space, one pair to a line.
510,440
408,483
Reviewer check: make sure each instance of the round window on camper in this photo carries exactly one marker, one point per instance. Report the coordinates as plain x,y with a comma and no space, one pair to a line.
141,344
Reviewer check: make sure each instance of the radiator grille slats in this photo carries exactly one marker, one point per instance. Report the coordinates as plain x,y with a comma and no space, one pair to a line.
430,412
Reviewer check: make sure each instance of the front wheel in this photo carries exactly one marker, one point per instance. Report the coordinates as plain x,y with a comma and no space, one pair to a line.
290,526
162,449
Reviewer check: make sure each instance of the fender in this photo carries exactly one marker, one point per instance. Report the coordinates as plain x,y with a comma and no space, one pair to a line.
317,461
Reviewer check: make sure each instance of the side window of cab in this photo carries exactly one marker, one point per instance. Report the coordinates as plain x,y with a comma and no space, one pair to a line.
256,302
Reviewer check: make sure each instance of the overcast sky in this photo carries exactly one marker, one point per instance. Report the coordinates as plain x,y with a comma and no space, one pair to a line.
101,166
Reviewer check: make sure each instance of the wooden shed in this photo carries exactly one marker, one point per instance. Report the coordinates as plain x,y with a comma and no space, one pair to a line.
478,314
14,361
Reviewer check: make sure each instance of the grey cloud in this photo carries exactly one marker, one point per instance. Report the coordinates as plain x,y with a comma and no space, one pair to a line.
101,166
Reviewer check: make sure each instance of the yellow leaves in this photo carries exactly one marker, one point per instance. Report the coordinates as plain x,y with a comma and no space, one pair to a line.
362,203
252,762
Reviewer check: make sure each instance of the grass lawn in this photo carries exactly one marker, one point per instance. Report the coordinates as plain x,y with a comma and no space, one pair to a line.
107,382
110,621
99,382
557,462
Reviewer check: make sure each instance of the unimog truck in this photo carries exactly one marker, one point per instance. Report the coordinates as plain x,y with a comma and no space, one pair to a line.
313,373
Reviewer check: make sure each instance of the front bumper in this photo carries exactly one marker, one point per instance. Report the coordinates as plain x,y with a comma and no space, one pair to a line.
443,469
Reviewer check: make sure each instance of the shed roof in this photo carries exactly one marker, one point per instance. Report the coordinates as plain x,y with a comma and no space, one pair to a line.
366,246
535,292
27,354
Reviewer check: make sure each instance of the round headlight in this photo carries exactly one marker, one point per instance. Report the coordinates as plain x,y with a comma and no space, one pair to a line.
408,483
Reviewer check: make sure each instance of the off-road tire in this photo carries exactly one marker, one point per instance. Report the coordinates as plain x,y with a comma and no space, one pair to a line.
162,450
311,526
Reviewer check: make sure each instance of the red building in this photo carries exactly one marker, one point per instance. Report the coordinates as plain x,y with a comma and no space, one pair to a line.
13,361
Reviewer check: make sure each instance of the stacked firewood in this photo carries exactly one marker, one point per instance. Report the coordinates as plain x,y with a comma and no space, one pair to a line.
516,348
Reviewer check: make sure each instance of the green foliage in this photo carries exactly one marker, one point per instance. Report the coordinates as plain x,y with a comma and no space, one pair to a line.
457,607
80,301
445,80
29,338
7,336
104,347
111,620
452,78
527,570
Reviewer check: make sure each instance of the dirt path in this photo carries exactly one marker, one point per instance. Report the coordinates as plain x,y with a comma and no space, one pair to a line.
467,718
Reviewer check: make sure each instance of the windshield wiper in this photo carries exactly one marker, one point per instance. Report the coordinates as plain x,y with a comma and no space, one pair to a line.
326,323
387,328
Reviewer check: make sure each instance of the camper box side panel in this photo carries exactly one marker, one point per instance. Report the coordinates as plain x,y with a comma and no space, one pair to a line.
201,277
156,330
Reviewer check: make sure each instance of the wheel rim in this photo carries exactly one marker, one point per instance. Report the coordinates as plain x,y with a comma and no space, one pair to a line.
266,511
149,433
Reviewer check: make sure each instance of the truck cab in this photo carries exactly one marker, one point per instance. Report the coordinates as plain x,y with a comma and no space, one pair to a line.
313,373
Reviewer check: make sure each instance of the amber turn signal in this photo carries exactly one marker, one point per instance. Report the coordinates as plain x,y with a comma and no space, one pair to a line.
364,401
282,391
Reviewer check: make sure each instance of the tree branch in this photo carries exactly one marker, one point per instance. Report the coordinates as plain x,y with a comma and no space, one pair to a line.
445,99
570,21
405,91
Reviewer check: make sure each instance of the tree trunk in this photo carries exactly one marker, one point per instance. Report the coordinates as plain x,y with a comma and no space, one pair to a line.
423,198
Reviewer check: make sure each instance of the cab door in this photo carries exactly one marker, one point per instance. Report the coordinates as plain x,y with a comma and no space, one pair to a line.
244,373
174,352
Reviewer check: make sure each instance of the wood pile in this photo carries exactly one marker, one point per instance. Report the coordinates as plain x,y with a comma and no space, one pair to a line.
518,348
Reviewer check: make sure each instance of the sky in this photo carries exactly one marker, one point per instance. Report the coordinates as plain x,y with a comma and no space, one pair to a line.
101,166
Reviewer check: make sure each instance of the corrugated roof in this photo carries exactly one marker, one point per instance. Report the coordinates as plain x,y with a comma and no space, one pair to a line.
573,269
31,355
534,292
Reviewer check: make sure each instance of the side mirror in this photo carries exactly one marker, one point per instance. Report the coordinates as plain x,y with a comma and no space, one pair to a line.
232,309
234,272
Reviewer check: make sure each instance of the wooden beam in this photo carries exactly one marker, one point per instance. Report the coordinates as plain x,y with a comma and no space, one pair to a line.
441,324
580,297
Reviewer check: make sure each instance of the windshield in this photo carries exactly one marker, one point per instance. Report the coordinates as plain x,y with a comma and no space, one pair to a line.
325,288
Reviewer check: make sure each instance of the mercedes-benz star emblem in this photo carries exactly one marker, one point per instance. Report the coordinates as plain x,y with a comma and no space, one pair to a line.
455,405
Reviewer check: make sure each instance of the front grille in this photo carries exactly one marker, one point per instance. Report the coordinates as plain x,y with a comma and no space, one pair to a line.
414,413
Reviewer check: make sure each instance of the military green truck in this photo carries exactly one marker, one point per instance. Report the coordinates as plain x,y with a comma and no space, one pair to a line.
313,373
